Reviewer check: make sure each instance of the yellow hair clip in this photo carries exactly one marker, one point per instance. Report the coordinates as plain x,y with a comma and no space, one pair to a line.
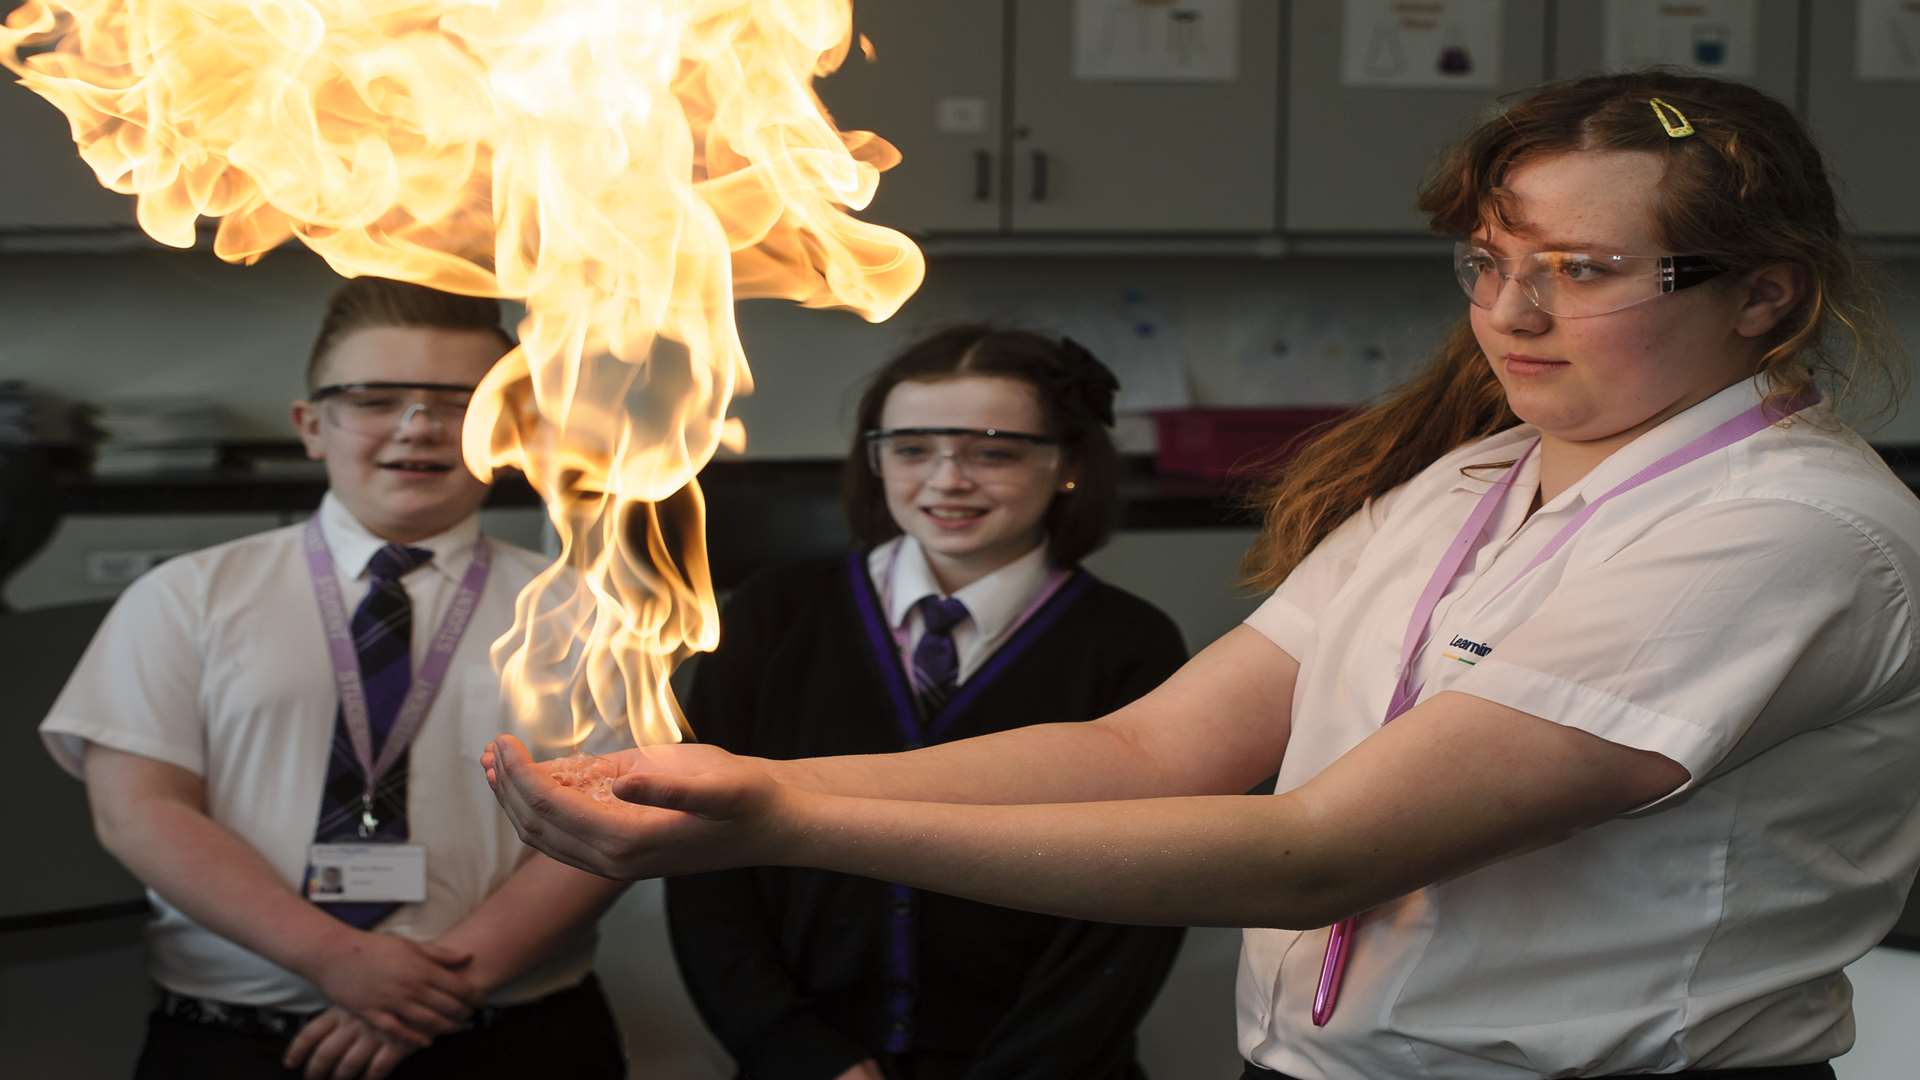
1677,127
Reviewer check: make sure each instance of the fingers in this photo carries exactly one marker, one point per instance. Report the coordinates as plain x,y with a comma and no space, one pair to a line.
309,1037
690,794
386,1057
445,957
389,1025
449,1005
331,1049
715,796
549,817
422,1018
354,1061
442,986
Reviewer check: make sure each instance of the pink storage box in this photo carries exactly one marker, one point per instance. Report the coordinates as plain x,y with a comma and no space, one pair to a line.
1217,442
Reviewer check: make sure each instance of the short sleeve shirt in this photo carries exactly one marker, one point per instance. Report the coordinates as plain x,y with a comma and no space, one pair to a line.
1748,615
216,662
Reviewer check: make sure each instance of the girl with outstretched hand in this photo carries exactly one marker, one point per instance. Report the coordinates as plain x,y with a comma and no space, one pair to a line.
1588,672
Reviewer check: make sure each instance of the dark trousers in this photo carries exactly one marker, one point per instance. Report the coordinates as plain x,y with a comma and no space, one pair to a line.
568,1034
1821,1071
954,1067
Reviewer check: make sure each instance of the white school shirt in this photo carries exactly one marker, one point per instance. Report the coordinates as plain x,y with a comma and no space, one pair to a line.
217,662
994,603
1749,615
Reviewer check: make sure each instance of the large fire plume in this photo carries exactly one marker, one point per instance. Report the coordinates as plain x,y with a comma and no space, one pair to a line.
628,168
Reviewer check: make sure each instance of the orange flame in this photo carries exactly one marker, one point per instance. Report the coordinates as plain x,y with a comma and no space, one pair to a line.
629,168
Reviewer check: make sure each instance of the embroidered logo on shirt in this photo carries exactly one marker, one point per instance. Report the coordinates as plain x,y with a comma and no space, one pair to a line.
1466,651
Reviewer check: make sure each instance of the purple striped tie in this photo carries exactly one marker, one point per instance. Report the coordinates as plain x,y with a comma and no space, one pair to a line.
936,663
383,640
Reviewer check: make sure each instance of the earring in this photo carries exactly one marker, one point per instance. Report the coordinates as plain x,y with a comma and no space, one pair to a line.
1069,486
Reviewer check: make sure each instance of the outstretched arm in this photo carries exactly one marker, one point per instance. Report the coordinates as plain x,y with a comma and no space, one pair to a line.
1455,783
1219,725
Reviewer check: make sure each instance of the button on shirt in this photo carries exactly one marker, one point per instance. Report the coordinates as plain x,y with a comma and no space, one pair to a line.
1748,615
994,603
216,662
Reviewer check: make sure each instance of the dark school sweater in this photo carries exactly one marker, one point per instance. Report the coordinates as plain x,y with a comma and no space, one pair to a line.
803,973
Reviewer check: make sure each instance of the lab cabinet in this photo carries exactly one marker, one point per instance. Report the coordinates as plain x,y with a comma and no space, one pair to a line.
1869,129
935,91
1145,156
1579,46
1355,154
999,132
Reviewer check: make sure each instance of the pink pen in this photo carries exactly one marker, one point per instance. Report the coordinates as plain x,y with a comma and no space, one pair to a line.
1332,966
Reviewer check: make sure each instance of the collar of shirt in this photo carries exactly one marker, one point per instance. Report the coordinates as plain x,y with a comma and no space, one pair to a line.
352,545
993,602
1650,447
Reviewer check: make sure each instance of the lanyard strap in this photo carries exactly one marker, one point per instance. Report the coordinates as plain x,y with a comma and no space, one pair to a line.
1340,936
346,662
1464,544
1473,533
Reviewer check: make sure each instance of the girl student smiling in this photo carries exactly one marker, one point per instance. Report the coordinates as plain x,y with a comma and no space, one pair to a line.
980,475
1650,827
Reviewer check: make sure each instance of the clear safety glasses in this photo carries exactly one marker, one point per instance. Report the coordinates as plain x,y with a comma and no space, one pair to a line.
386,408
986,455
1577,284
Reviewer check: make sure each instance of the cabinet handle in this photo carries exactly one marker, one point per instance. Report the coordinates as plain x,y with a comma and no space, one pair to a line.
982,176
1039,176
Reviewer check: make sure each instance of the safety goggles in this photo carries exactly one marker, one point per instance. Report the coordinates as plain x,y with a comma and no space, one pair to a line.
386,408
987,455
1577,284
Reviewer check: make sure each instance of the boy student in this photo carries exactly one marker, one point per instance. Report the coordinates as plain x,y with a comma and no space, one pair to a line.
227,770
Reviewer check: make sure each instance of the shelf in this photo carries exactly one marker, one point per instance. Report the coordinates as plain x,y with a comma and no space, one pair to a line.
732,487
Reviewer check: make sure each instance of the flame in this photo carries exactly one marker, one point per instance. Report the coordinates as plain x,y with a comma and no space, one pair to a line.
628,168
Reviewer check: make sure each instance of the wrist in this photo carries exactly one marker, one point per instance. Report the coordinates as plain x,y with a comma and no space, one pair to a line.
799,821
314,952
796,773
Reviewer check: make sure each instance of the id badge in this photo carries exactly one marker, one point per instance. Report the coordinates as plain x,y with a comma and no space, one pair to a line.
389,873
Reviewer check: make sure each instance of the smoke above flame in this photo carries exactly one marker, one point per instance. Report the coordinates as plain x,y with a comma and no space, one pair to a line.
627,168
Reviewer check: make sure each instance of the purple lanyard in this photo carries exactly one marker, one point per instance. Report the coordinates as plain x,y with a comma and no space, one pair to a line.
1465,543
346,662
902,638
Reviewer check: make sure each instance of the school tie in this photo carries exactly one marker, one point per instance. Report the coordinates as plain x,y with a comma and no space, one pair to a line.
382,630
936,663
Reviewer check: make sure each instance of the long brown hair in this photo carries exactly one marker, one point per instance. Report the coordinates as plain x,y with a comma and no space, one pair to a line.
1748,189
1076,395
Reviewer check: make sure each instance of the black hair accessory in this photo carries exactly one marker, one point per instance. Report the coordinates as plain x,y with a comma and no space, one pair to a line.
1085,381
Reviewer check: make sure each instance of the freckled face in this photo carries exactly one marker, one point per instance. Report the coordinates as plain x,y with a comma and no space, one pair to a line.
1612,376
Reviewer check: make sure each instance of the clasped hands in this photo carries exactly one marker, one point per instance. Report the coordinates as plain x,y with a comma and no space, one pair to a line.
390,997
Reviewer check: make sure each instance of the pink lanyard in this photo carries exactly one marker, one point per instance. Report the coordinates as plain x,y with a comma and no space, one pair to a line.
902,638
1465,543
346,662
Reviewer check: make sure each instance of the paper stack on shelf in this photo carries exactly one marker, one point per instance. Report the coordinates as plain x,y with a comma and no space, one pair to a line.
160,435
30,417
